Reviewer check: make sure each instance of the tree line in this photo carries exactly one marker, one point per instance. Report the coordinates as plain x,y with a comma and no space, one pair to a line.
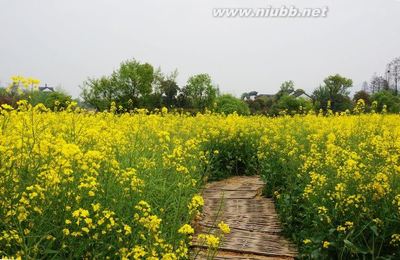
140,85
137,84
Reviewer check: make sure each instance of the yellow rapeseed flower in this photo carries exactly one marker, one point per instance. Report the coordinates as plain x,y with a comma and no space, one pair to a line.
186,229
224,228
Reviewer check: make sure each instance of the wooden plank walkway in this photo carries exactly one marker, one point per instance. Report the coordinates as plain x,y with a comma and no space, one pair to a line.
254,223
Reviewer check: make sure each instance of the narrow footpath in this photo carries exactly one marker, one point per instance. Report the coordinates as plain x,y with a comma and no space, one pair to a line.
254,223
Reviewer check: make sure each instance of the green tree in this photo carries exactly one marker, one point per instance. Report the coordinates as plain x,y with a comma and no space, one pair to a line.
200,91
169,90
152,101
387,98
52,100
362,94
130,86
291,104
228,104
286,88
99,93
261,104
335,90
134,80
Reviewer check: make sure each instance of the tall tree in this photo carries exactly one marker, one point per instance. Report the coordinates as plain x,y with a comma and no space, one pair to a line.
135,79
200,91
393,75
286,88
99,93
130,86
169,89
378,83
334,90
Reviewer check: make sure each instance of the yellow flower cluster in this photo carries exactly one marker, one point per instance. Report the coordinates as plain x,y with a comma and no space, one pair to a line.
186,229
224,227
26,82
210,240
77,177
20,84
395,241
336,176
109,185
195,205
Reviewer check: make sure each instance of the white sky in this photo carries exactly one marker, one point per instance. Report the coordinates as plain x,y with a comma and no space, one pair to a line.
64,42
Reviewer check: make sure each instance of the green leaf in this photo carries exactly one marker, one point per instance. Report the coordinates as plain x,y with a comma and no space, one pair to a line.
374,229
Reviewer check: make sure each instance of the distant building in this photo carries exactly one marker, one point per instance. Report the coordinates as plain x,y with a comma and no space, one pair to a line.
298,93
264,96
46,88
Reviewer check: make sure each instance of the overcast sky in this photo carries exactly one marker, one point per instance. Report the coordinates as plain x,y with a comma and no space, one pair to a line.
64,42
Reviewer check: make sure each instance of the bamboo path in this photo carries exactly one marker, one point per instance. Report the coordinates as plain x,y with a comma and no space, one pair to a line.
255,227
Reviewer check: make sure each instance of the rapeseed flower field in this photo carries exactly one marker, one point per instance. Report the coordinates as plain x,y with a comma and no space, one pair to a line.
114,184
336,181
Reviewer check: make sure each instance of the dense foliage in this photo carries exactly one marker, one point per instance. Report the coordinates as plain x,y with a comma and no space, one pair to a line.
77,183
139,85
228,104
80,184
336,183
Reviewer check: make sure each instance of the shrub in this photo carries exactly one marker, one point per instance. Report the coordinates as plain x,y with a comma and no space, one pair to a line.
228,104
388,99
